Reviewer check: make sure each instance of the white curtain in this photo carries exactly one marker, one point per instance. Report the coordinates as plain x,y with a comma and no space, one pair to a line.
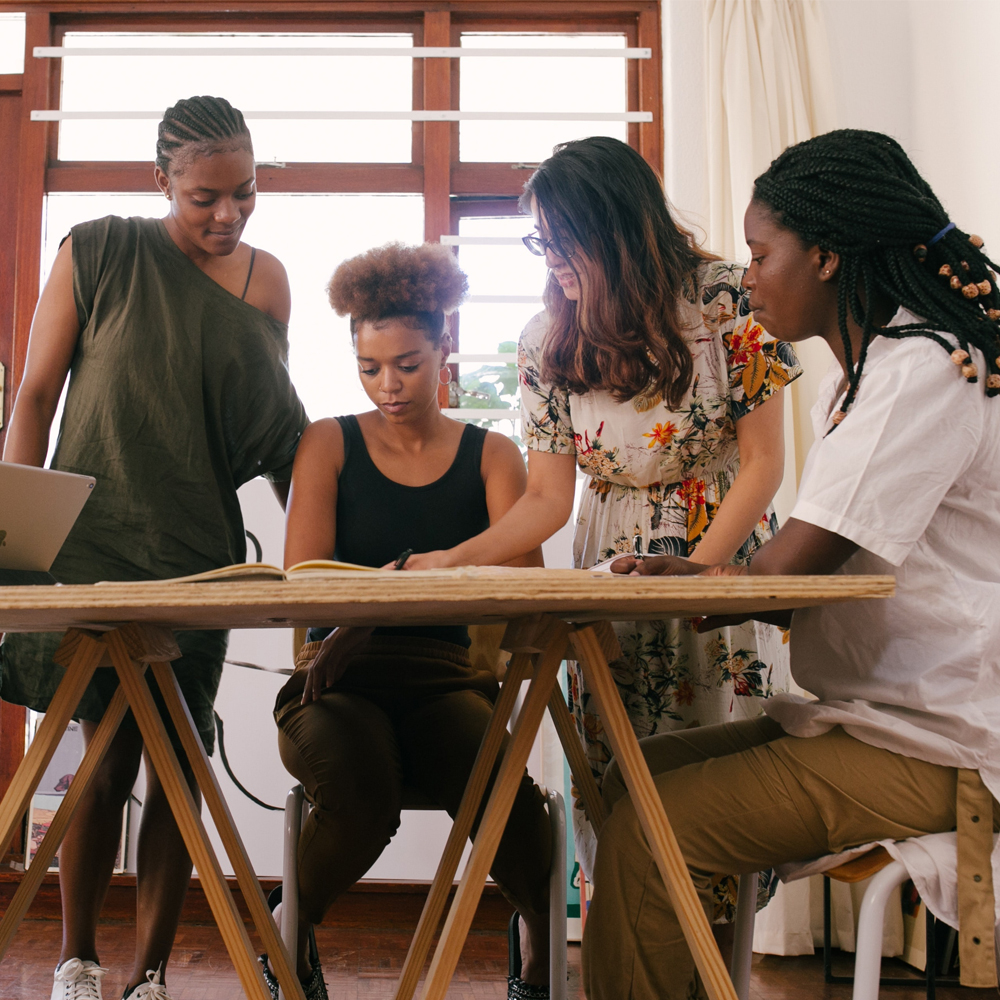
769,84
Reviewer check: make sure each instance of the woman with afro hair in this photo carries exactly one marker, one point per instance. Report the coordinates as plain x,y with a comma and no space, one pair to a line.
371,711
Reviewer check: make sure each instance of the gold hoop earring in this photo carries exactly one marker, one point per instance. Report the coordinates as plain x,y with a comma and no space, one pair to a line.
447,371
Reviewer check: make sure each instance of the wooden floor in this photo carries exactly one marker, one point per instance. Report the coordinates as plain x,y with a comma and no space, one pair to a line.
362,965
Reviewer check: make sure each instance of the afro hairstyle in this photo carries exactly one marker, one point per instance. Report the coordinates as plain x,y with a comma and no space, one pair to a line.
421,283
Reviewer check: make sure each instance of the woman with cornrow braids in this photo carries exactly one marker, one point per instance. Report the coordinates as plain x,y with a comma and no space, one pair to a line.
174,335
850,244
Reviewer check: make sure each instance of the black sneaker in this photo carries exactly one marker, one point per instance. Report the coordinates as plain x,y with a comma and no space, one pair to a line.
315,986
517,988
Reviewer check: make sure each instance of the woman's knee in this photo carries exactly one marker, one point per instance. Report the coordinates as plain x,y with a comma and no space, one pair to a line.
115,777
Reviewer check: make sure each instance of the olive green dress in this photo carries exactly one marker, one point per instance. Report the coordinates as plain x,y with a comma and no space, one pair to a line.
179,393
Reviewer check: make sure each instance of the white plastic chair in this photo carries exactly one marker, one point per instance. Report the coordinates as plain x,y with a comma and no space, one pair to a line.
297,808
868,956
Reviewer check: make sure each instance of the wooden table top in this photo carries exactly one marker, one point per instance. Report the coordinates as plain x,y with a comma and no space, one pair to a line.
471,595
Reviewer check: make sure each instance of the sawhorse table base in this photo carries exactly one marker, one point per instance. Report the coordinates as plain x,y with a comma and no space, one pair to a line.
539,645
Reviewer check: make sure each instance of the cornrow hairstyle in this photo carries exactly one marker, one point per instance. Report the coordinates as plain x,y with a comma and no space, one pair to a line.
857,193
202,122
418,284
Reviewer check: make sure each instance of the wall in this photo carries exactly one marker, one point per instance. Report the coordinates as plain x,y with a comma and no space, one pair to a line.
905,67
246,698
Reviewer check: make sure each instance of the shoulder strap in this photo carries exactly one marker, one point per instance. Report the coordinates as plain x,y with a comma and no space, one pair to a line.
470,448
353,438
253,257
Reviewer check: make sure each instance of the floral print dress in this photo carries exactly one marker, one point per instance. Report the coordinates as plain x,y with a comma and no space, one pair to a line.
662,473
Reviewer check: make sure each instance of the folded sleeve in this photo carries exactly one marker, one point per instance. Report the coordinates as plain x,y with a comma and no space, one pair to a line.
881,474
758,365
546,423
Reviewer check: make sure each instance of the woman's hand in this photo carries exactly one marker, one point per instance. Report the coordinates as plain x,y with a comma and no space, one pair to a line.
330,662
438,559
657,566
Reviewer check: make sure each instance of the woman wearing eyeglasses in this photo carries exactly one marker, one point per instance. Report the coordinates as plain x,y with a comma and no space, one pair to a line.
647,371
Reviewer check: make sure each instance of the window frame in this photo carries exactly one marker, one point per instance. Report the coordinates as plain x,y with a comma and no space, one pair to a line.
29,168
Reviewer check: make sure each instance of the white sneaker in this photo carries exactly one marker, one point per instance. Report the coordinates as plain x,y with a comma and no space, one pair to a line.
77,980
152,990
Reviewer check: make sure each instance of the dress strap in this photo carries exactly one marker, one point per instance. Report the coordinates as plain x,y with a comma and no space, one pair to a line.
253,255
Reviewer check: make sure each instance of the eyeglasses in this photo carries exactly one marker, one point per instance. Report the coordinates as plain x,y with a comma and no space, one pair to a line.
538,246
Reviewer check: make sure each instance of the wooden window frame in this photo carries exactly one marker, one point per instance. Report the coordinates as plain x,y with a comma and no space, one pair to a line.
29,168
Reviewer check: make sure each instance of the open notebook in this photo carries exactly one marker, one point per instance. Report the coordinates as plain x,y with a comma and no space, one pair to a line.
265,571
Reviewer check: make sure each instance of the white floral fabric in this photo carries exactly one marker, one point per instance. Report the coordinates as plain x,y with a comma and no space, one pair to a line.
662,473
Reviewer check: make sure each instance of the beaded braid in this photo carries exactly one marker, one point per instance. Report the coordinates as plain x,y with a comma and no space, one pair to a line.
858,194
198,120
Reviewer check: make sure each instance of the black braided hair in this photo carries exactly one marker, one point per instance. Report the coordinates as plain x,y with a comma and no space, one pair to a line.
857,194
199,121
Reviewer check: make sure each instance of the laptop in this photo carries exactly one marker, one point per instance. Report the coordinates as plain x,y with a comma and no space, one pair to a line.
38,507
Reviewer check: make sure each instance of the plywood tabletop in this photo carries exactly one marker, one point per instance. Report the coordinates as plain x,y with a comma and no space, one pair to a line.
469,596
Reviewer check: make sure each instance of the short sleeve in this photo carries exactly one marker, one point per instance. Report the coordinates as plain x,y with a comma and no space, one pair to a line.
879,477
546,424
92,243
281,416
758,365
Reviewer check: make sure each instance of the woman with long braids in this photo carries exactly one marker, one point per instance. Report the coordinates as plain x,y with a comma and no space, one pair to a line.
174,336
850,244
647,372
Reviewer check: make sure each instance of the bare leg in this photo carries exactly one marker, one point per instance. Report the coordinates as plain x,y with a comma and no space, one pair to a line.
302,964
535,948
88,851
163,874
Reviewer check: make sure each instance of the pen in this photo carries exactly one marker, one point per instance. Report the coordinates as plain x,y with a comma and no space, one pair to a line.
403,556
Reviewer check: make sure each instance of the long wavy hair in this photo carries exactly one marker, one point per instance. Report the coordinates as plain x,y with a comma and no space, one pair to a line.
624,336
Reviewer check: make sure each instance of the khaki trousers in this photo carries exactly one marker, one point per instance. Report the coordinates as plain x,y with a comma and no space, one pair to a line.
740,797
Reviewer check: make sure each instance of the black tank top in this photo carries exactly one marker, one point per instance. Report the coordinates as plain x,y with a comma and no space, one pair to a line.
378,518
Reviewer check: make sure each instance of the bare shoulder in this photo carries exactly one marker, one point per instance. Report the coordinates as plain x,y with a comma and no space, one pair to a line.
271,292
501,454
321,445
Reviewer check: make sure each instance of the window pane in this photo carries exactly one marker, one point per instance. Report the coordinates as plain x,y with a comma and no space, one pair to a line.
310,235
493,328
251,83
11,43
538,83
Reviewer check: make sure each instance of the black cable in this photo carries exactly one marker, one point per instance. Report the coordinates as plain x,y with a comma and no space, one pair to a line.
229,770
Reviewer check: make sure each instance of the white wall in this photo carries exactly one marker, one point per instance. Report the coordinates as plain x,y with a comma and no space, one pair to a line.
919,70
246,698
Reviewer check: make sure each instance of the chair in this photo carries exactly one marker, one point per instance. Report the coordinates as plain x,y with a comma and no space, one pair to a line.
484,653
886,874
297,808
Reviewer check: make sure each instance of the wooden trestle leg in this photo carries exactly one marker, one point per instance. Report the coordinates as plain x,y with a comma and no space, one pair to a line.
652,816
204,774
461,828
188,818
549,635
96,749
87,655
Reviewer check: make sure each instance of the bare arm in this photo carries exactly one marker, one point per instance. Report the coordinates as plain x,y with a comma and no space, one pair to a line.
506,479
281,491
54,333
760,435
543,509
798,549
311,533
311,520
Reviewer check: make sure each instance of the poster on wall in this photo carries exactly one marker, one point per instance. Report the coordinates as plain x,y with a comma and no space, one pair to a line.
52,789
